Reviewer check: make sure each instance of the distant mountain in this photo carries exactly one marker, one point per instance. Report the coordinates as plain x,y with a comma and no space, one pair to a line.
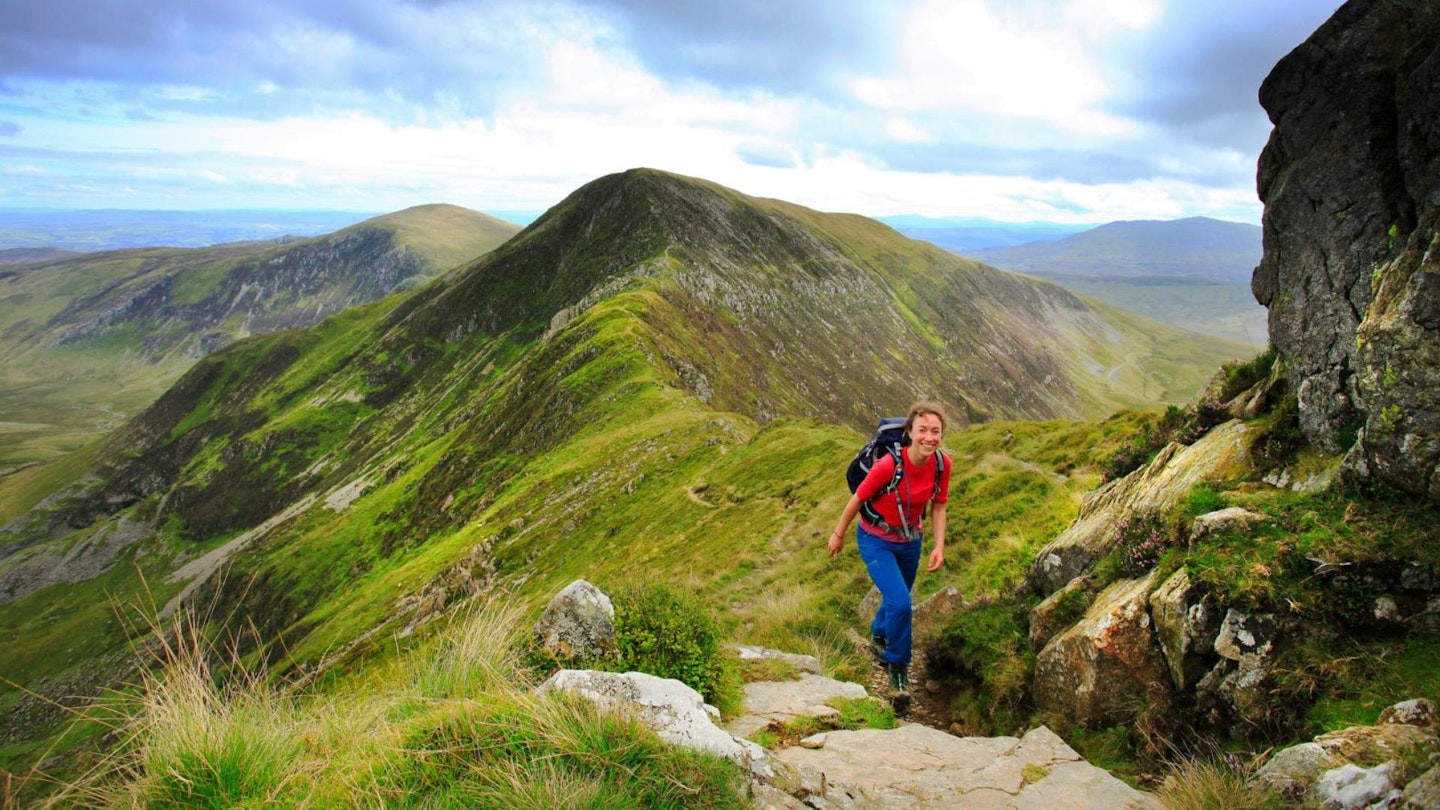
112,229
90,334
967,235
1198,247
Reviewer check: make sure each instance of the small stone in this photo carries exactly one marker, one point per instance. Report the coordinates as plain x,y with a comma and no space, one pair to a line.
1292,771
814,742
822,711
1417,712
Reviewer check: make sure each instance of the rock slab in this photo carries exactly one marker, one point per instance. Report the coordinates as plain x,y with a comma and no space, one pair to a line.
916,766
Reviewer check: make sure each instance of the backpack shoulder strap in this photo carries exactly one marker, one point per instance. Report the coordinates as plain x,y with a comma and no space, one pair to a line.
941,463
896,453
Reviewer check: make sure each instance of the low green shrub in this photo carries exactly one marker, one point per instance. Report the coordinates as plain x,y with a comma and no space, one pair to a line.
985,650
1240,377
669,634
1139,540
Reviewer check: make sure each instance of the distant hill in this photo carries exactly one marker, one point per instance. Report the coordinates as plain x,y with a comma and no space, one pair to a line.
33,255
1198,247
967,235
1193,273
88,337
112,229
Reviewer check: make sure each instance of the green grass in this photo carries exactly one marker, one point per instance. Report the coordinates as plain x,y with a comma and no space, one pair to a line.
454,723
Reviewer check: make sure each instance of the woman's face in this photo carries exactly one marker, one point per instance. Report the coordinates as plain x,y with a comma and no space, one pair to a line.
925,434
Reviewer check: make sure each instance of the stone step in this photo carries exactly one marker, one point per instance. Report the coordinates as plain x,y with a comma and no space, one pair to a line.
915,766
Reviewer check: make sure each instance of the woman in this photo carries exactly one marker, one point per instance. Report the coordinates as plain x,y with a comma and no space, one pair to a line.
892,552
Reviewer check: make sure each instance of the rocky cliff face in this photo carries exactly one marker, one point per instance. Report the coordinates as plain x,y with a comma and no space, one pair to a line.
1351,272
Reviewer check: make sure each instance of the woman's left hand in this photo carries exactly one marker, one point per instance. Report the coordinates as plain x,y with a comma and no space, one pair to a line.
937,560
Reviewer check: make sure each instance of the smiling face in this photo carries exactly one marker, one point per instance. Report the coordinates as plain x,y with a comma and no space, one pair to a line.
926,431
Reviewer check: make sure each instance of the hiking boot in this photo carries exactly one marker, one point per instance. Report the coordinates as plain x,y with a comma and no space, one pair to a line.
877,643
899,678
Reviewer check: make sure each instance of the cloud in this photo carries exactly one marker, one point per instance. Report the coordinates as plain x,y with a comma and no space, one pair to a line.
1200,71
266,58
806,47
1029,108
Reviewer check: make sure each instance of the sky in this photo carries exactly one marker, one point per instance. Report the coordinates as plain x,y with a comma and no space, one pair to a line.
1073,111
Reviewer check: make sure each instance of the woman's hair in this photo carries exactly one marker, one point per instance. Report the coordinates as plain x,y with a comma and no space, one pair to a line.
923,408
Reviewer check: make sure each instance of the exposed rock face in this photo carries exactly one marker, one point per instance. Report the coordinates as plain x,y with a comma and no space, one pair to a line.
1093,672
1351,272
1221,454
1186,623
919,767
33,568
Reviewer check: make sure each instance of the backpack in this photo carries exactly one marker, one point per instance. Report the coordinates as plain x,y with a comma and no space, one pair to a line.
889,439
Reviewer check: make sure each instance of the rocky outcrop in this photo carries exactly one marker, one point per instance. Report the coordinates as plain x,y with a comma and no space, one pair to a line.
1351,272
1222,454
1186,623
1094,672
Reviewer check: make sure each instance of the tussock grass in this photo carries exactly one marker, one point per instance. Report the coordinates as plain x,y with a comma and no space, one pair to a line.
455,723
1210,784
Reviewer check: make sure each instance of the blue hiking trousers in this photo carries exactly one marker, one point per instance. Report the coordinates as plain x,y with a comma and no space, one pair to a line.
892,568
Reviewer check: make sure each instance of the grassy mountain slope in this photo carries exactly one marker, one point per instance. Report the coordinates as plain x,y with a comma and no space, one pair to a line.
85,340
1222,309
659,379
1191,273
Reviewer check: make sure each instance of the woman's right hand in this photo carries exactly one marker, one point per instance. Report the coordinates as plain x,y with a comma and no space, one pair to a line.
837,542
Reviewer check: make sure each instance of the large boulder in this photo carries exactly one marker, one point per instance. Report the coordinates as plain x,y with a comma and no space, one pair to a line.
677,713
578,625
1351,184
1097,672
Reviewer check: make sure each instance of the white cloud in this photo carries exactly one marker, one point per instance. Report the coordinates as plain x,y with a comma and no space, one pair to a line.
966,58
